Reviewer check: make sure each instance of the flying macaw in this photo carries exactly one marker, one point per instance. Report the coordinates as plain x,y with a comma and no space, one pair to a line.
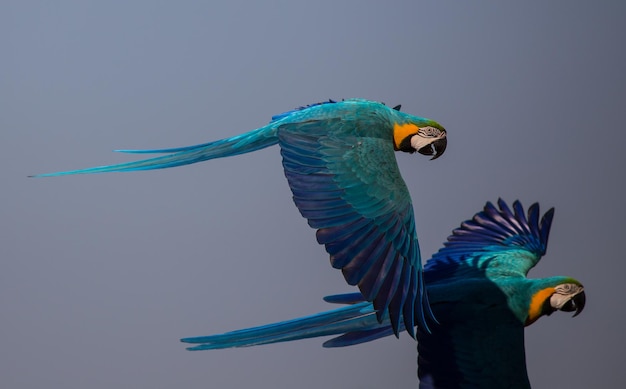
479,293
339,161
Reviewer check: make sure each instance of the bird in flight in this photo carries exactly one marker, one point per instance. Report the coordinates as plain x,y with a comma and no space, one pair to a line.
338,158
479,293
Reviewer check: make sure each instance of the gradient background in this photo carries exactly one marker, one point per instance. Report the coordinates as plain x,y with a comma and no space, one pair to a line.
101,275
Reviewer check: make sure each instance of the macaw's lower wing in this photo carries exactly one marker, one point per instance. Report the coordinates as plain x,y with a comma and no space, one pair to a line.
357,323
349,188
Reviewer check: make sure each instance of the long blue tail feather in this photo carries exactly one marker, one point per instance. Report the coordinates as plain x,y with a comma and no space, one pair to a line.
240,144
357,318
166,151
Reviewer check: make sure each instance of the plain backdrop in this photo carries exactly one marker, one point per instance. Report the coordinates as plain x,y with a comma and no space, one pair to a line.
101,275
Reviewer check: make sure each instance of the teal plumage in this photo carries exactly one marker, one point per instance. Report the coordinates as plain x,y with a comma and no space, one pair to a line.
339,161
479,293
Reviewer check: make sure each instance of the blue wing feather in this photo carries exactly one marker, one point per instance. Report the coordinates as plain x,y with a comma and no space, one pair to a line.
346,298
493,232
337,233
369,236
377,275
521,216
367,260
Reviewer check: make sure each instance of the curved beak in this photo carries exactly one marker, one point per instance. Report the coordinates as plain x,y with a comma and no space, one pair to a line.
576,303
435,148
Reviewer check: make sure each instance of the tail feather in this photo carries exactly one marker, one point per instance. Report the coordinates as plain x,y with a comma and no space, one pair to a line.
240,144
166,151
356,323
358,337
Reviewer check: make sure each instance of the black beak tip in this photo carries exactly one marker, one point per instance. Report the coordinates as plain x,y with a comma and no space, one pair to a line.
439,147
579,301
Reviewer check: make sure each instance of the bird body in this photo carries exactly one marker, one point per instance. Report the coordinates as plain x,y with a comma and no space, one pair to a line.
479,293
339,161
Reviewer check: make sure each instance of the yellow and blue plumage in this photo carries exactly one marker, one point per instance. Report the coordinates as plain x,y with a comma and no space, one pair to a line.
339,160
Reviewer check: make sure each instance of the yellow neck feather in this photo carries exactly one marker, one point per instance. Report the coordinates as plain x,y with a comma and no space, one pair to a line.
401,131
536,303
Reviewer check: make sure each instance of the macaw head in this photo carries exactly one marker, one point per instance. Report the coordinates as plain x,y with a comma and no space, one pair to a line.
425,136
568,296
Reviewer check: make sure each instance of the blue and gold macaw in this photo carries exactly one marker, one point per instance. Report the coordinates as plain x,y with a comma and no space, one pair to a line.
339,161
479,294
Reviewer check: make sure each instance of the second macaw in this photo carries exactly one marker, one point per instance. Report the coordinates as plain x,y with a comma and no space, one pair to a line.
479,293
339,160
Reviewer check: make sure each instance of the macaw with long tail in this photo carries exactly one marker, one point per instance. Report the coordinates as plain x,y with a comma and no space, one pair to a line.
479,293
339,161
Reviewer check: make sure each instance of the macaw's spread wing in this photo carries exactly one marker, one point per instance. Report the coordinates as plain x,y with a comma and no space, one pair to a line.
496,242
349,188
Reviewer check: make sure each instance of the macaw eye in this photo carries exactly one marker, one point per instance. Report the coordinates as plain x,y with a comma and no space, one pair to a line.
429,131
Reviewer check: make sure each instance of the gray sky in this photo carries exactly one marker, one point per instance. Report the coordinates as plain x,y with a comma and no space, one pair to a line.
101,275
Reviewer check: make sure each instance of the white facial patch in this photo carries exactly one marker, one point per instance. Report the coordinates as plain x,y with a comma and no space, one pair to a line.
563,293
426,136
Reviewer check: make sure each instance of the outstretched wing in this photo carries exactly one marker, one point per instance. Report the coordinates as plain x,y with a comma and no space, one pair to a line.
495,241
346,182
